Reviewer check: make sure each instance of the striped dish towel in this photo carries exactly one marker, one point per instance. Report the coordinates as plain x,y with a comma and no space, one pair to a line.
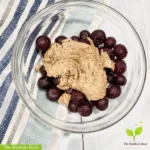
13,114
14,117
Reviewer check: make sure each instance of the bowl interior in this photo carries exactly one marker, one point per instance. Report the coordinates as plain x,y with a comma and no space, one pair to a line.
69,18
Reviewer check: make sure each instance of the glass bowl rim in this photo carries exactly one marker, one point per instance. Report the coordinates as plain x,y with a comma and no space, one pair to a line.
55,123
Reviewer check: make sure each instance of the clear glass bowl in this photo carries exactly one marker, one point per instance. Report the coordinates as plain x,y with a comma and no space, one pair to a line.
69,18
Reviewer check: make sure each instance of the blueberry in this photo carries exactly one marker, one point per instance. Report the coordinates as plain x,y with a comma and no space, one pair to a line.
72,107
85,110
110,42
44,82
43,43
92,103
43,71
88,102
53,94
102,104
75,38
120,67
113,91
120,80
77,97
98,37
120,51
108,70
110,52
55,81
59,39
111,78
85,41
84,34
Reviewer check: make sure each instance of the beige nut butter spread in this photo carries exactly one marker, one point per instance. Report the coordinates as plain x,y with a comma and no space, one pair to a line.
64,99
79,66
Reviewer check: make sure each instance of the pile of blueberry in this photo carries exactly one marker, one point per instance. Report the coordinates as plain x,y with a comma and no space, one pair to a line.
78,102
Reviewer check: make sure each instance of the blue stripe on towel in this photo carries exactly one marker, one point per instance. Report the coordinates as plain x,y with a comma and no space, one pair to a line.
8,116
6,60
50,1
30,42
11,27
33,10
4,87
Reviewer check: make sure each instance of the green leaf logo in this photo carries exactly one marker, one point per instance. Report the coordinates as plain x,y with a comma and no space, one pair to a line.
138,131
129,132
